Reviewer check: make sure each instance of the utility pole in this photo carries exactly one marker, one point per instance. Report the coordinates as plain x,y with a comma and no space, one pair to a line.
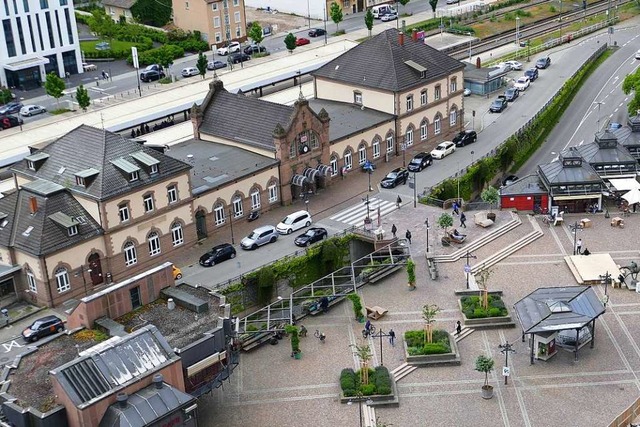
380,335
467,267
506,348
605,279
427,222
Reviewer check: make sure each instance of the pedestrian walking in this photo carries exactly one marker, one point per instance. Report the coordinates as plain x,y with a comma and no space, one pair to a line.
146,127
456,208
394,230
104,75
392,338
458,327
398,202
579,247
367,327
408,236
463,219
133,133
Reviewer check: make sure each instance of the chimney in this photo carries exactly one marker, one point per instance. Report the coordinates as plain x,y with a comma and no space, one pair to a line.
157,380
478,63
196,120
122,398
401,38
33,205
414,35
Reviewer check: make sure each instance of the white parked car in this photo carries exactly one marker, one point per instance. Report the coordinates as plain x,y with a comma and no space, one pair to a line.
293,222
190,71
515,65
638,54
522,83
32,110
232,47
504,66
443,149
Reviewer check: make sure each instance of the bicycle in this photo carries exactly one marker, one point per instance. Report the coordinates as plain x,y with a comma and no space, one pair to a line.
320,336
367,333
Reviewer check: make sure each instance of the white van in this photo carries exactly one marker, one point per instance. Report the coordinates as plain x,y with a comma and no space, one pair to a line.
378,11
293,222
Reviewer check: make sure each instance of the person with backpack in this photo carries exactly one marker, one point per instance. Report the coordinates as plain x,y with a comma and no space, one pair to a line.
398,202
408,236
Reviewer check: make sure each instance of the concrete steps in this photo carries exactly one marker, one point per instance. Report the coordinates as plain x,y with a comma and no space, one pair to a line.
465,333
402,371
369,415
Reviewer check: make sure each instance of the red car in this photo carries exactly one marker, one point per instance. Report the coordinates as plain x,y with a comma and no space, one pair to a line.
302,41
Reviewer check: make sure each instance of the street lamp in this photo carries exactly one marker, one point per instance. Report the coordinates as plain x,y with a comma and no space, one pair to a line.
366,202
517,35
605,279
403,147
574,229
506,348
380,335
467,267
231,224
360,398
80,272
309,14
427,222
599,104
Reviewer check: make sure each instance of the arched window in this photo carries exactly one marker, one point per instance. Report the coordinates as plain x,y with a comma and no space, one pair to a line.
304,142
31,281
390,143
408,137
273,192
177,236
237,207
255,199
437,127
62,280
333,162
362,154
154,243
130,255
376,148
348,159
453,117
218,213
424,130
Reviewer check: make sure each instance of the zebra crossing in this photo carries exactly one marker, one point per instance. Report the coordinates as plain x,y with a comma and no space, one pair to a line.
355,215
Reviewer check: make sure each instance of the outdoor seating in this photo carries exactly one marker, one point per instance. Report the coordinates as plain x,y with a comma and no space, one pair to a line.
617,222
453,238
559,219
376,312
481,219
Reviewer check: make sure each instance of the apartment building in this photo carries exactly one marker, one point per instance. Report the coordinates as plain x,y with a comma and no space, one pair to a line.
119,8
219,21
37,37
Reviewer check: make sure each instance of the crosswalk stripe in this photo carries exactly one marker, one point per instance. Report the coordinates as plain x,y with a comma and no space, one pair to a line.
356,214
355,209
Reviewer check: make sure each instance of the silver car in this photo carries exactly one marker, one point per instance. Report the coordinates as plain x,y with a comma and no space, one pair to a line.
260,236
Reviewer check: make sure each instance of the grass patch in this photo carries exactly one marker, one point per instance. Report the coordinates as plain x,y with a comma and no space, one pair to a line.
90,46
339,33
416,346
165,81
59,111
472,307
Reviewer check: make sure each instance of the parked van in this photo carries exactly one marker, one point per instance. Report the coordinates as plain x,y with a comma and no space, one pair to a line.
383,9
293,222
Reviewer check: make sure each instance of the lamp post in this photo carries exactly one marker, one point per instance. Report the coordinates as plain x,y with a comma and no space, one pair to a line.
80,272
458,179
360,398
560,21
574,229
599,104
517,35
470,40
427,222
380,335
231,224
403,147
324,11
467,267
605,279
506,348
309,14
366,202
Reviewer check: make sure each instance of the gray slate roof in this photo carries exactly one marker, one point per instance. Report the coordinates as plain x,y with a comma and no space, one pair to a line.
38,234
529,184
243,119
593,154
558,309
556,173
111,365
215,165
87,147
122,4
349,119
380,63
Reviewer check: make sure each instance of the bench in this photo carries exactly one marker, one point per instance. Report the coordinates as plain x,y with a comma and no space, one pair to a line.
376,312
481,219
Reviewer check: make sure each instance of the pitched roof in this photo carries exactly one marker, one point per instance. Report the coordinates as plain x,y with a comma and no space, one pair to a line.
595,153
529,184
87,147
122,4
43,232
381,62
242,119
349,119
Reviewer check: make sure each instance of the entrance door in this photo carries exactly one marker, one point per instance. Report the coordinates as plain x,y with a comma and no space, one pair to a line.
135,297
201,224
96,269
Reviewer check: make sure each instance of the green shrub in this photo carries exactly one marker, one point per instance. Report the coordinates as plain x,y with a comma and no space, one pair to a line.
348,380
192,45
434,348
416,345
368,389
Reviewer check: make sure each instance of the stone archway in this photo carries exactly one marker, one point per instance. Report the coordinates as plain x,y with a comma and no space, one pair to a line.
201,224
96,269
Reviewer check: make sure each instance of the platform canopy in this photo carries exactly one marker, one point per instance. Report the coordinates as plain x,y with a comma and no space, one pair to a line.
625,184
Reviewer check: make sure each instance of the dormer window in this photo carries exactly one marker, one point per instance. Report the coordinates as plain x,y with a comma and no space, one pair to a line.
66,221
31,165
35,160
357,98
128,168
73,230
80,181
134,176
147,160
154,169
86,176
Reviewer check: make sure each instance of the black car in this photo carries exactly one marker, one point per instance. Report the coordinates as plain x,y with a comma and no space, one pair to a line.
465,137
217,254
7,122
239,57
509,180
395,177
419,162
43,327
543,62
215,65
314,234
11,108
532,73
499,104
151,75
315,32
254,48
511,94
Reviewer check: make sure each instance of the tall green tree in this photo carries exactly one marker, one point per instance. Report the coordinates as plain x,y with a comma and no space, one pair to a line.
290,42
102,24
82,96
54,86
5,95
201,64
368,21
630,84
434,5
335,11
255,33
152,12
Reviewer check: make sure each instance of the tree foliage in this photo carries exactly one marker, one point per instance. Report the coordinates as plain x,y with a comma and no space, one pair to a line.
54,86
484,364
102,24
445,221
290,42
255,33
434,5
632,84
490,195
82,96
429,313
5,95
335,11
152,12
201,64
364,354
368,20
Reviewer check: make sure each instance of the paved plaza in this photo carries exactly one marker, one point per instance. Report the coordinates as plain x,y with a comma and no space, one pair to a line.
269,388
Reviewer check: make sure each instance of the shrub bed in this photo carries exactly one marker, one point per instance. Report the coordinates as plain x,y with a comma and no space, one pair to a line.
416,345
472,307
379,382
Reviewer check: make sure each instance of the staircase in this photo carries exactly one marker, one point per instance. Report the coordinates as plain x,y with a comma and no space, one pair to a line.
466,331
402,371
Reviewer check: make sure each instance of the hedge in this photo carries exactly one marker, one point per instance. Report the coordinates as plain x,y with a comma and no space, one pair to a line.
417,346
472,307
379,382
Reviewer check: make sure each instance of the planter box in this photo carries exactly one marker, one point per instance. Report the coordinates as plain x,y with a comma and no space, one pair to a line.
488,322
378,399
452,358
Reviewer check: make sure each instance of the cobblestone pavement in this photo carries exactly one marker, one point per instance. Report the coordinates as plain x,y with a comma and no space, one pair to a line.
269,388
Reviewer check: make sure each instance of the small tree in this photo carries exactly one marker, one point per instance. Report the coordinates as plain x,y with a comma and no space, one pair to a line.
290,42
429,313
255,32
201,64
294,333
411,273
631,84
335,11
5,95
434,5
484,364
82,96
490,195
363,352
368,21
482,279
102,25
445,221
54,86
357,305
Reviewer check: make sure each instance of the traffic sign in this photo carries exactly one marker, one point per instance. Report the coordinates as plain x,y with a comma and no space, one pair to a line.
467,268
506,371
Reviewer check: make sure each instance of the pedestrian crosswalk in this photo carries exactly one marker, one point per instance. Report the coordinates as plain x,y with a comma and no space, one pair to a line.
356,215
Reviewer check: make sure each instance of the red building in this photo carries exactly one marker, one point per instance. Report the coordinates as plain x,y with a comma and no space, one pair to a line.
524,194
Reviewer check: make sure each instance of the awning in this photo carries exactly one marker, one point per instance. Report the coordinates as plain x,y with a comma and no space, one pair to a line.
298,180
625,184
311,173
26,63
324,170
580,197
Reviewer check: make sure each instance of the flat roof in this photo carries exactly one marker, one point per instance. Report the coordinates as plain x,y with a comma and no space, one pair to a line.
347,119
